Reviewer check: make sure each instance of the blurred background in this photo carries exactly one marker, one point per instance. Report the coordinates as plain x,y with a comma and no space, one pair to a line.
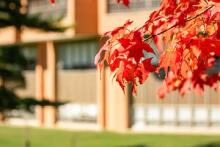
60,67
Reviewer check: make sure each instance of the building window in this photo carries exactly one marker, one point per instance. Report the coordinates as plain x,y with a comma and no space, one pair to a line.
135,5
76,55
44,8
30,53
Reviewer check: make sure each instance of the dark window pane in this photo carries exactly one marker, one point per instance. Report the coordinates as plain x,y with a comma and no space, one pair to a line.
76,55
30,53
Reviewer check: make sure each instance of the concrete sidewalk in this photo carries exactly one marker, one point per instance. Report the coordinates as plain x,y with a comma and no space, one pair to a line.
137,128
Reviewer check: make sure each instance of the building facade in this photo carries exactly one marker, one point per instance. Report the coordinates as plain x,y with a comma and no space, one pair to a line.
61,68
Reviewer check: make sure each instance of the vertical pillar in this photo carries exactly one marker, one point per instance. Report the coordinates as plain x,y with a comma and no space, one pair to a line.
40,67
128,100
17,35
118,106
207,97
176,121
192,105
161,110
50,115
101,99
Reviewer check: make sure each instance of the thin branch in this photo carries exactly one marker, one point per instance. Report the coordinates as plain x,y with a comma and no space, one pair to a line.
192,18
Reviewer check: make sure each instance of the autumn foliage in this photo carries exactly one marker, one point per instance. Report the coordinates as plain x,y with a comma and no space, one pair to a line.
125,2
181,38
52,1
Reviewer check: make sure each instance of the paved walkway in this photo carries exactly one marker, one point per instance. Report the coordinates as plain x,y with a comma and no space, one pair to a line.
137,128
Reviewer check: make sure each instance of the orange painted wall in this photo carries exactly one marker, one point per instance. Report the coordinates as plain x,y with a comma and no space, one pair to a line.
86,17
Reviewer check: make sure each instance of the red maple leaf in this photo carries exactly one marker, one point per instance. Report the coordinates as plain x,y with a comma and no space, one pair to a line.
125,2
53,1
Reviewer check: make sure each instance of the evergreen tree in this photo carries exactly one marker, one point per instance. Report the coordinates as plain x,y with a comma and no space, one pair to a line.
12,61
14,13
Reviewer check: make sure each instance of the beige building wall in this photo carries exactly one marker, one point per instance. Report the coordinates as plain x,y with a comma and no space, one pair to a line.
108,21
7,35
147,94
77,86
30,89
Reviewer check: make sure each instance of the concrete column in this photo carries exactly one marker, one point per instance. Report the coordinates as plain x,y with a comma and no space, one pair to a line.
40,67
128,101
118,106
17,35
217,101
101,118
50,115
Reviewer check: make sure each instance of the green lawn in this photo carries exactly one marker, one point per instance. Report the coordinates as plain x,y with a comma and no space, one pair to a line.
14,137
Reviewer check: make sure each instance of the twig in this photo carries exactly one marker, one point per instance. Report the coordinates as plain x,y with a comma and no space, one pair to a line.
192,18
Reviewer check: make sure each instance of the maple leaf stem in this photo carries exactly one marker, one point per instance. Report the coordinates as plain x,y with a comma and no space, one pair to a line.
206,1
177,24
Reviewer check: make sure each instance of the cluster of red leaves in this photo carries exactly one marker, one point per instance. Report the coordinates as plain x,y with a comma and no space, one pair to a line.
182,38
52,1
125,2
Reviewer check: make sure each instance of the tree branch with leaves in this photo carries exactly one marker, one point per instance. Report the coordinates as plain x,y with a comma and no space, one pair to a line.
182,38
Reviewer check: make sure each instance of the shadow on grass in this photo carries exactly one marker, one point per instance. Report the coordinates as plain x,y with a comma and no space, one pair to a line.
211,144
135,145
